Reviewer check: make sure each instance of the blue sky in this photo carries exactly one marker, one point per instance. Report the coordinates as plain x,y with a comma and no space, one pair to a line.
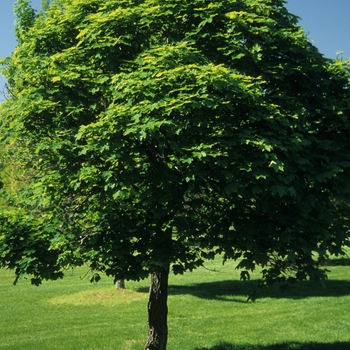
325,21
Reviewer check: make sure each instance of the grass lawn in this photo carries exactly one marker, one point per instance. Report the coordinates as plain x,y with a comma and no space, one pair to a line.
207,311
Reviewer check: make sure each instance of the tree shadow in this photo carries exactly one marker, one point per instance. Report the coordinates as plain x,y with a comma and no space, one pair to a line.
233,290
284,346
229,289
339,262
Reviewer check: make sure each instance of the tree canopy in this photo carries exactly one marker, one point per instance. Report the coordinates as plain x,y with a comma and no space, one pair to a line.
163,133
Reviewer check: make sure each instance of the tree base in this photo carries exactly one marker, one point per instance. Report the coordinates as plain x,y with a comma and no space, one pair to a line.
158,311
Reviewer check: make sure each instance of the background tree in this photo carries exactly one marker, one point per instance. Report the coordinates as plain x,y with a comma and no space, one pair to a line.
163,133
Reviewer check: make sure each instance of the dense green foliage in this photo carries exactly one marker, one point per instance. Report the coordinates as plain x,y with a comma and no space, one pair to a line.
162,133
166,132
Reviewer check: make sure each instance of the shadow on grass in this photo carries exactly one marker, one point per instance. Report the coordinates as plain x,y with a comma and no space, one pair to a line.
233,290
284,346
339,262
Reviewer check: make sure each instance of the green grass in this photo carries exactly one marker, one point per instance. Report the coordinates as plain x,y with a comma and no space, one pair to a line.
207,311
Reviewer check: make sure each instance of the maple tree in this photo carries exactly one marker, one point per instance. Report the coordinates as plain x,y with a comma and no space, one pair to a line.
163,133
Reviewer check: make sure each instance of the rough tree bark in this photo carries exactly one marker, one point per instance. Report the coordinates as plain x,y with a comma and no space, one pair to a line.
158,311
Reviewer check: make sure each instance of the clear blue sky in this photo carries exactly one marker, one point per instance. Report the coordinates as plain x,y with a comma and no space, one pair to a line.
325,21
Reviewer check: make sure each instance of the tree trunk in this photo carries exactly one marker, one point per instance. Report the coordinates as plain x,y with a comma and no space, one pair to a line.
158,311
120,284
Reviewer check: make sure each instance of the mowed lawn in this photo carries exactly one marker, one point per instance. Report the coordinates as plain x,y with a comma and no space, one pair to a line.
208,310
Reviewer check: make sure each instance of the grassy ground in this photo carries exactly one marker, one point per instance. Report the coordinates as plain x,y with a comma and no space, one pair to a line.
207,311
